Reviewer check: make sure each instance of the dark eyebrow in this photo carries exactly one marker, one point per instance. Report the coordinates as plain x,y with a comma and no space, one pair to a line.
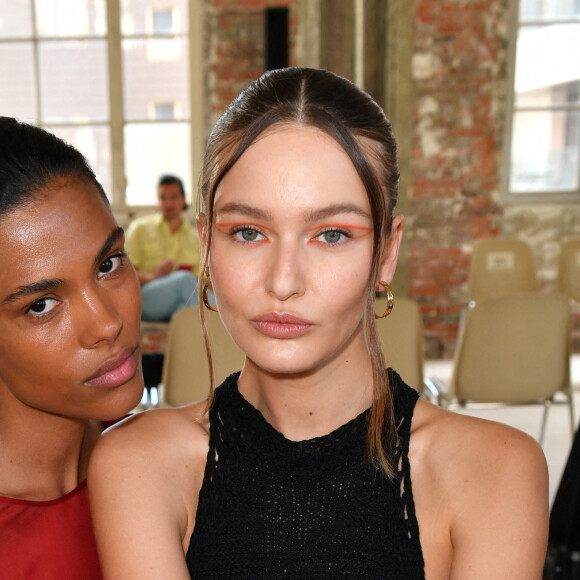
34,288
311,216
244,209
113,238
326,212
55,283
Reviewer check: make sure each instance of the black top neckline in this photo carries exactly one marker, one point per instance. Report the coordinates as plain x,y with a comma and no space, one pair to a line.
257,422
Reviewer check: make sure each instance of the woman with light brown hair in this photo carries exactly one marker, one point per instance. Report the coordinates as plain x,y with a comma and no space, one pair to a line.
314,460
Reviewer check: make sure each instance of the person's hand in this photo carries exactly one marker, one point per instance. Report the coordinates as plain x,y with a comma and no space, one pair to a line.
163,268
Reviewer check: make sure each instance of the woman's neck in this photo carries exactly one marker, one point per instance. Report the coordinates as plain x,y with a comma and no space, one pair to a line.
43,456
311,405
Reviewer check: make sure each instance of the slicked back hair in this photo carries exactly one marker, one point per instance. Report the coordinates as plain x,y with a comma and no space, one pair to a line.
32,160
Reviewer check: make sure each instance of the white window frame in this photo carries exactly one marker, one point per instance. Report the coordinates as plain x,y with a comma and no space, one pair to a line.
175,17
177,110
116,122
541,197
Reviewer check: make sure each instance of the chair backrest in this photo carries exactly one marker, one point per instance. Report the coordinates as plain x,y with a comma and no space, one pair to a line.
568,281
402,337
185,369
500,266
513,349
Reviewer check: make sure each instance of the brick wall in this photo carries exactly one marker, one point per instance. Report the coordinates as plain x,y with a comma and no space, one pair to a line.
453,186
459,71
460,75
459,64
235,48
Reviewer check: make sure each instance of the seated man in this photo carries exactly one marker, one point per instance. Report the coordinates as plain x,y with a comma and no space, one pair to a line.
165,250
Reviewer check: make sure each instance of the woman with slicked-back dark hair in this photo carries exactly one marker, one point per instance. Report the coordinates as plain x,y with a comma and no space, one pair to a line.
69,350
315,460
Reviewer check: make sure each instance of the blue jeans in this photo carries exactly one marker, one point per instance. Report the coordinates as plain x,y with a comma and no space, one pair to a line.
162,297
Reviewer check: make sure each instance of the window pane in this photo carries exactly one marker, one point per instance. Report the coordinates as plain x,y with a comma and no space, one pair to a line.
553,96
94,144
73,81
164,111
71,17
15,19
162,21
544,154
17,94
548,9
548,58
151,17
152,149
155,70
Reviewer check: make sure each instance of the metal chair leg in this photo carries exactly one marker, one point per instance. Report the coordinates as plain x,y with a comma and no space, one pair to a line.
571,409
547,404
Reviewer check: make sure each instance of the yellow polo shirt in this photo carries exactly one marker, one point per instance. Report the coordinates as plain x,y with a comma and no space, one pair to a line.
149,240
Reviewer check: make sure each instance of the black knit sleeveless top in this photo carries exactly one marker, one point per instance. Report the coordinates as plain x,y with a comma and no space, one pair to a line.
271,508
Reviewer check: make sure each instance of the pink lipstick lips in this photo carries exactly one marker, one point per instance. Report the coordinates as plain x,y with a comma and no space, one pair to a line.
283,326
116,371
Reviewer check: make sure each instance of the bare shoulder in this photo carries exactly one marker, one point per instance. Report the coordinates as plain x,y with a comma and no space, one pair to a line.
154,459
447,440
156,436
191,418
481,496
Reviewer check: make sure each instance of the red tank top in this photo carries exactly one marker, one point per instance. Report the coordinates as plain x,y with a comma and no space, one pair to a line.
48,540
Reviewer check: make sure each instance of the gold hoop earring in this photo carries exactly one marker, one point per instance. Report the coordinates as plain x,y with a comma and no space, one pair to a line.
390,300
207,286
205,300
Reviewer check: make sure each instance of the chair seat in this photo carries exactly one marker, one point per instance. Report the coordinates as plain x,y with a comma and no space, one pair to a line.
185,368
499,266
514,349
568,280
401,334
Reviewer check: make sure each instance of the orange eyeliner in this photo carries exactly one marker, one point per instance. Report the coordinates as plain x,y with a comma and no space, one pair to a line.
366,231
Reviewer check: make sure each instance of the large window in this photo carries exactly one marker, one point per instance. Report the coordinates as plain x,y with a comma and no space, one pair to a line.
545,130
112,77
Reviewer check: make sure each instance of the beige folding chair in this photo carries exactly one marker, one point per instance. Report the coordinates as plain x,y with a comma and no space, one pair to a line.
185,370
568,280
514,349
402,337
500,266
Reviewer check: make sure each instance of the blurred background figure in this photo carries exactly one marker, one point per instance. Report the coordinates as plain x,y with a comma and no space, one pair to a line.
164,248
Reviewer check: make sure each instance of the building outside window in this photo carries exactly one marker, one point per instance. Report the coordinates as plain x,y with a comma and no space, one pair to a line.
164,111
109,76
544,157
162,20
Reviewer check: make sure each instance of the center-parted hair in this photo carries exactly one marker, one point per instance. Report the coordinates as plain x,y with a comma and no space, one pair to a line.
334,105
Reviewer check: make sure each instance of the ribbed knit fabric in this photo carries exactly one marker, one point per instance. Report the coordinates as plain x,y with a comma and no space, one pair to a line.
271,508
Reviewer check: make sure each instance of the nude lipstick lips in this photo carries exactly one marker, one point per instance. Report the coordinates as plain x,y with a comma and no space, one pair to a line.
116,371
282,326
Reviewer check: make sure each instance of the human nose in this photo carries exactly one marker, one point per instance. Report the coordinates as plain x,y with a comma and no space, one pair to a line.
98,318
285,277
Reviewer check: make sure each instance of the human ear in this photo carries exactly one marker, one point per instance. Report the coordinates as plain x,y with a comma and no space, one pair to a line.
390,253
